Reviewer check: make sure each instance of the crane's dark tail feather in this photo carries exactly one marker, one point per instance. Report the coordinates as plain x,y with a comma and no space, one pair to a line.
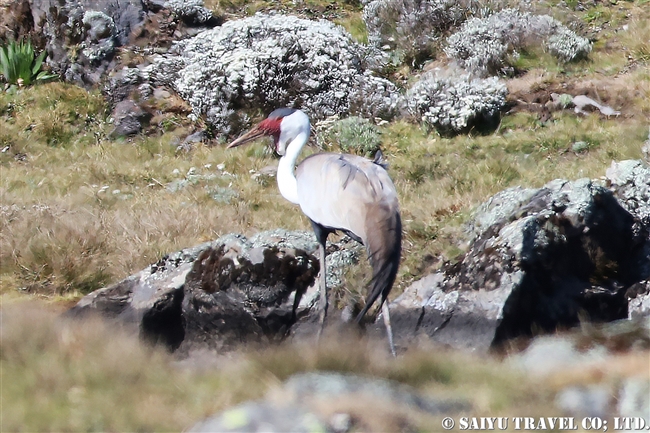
384,246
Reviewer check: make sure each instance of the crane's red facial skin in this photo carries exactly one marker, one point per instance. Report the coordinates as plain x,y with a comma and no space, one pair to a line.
269,126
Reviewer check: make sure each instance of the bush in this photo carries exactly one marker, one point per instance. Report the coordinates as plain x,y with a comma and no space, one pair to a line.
268,61
453,103
192,11
412,27
19,65
567,46
482,46
354,135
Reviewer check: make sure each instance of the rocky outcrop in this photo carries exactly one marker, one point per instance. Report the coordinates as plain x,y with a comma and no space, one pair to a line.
82,37
213,296
223,293
540,260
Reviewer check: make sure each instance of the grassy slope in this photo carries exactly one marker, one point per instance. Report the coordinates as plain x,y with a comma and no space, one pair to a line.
66,230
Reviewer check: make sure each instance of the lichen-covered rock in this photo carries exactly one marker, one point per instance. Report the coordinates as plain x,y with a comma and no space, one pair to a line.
630,181
452,103
483,45
213,296
270,61
224,293
539,260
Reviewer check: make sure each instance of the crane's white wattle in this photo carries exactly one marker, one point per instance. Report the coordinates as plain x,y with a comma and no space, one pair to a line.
294,133
286,176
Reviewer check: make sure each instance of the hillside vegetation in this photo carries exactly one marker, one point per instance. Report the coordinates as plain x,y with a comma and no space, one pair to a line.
80,210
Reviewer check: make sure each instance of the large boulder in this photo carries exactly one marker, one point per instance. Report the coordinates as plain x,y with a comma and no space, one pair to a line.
82,37
213,296
540,260
224,293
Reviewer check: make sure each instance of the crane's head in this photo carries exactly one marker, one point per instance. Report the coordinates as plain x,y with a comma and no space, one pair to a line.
283,124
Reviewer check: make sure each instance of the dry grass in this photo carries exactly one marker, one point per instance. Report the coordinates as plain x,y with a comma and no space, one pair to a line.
60,376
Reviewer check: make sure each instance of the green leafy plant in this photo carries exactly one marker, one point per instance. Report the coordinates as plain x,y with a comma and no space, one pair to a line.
19,64
354,134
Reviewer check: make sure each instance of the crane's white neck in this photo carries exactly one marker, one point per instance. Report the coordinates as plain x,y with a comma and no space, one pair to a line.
286,177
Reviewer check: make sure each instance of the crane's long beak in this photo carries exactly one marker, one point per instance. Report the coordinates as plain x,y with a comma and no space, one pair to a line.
251,135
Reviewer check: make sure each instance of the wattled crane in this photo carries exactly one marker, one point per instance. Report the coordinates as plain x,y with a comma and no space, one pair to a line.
338,192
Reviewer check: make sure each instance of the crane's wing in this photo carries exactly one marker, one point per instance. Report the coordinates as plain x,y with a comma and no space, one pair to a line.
342,191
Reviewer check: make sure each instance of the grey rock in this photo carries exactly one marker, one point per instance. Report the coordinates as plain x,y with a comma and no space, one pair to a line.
318,386
305,402
99,25
549,353
262,417
630,182
341,255
583,401
634,401
95,26
192,139
213,296
218,295
128,118
639,300
123,84
538,260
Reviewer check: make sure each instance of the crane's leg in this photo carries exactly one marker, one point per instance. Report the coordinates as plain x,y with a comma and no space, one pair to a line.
321,235
323,289
389,330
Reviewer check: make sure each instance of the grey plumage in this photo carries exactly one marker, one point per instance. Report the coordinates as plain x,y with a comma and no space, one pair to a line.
355,195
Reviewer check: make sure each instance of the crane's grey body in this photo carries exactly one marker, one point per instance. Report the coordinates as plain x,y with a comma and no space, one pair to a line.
355,195
339,192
